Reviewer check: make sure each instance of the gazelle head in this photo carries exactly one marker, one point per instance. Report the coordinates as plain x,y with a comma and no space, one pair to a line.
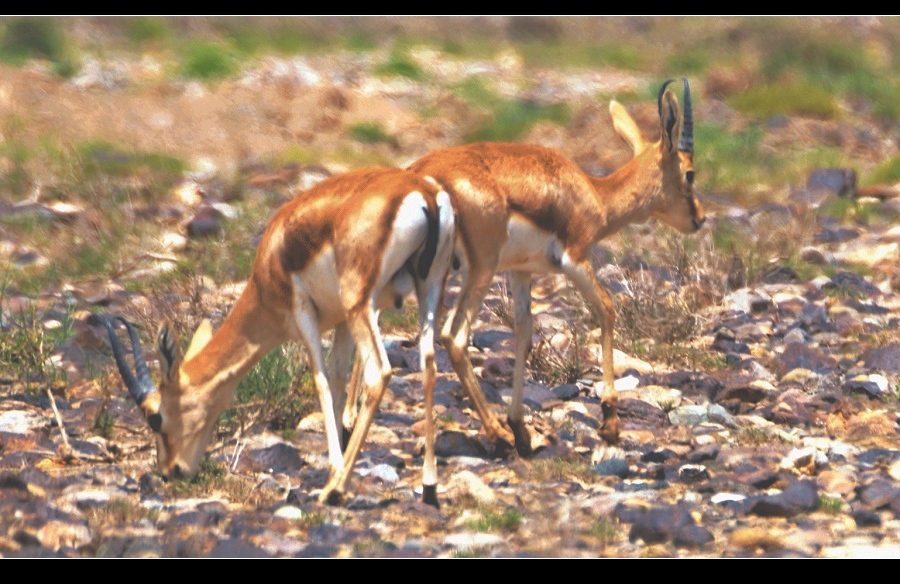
677,204
180,417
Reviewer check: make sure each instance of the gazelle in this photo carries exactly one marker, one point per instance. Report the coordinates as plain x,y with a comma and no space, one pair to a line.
332,258
527,209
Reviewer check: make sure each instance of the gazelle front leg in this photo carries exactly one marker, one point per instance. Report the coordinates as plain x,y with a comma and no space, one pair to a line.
376,372
582,274
338,371
520,283
312,338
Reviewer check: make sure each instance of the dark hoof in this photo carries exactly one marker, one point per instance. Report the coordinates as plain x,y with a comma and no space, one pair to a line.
523,438
429,496
335,499
345,438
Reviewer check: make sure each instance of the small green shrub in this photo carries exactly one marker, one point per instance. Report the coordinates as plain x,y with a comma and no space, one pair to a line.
147,29
507,520
371,133
886,172
206,61
512,119
26,345
400,65
830,504
32,37
800,99
279,390
100,158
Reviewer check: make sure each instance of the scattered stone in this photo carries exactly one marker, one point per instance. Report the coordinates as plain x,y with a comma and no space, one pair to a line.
454,443
801,496
886,359
840,181
206,222
662,524
468,483
613,467
566,391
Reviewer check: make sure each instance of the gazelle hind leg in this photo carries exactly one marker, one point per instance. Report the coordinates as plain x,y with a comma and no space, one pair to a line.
582,275
456,340
520,283
376,372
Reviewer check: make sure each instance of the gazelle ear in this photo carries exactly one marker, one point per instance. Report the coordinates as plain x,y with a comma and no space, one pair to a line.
625,127
670,121
169,353
199,340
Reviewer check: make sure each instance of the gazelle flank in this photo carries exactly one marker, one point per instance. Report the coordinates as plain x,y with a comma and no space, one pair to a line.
332,258
527,209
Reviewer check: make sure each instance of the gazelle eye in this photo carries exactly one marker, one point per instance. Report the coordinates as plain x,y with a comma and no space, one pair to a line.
689,176
155,421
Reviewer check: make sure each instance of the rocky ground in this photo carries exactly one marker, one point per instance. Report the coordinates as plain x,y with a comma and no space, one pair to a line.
759,396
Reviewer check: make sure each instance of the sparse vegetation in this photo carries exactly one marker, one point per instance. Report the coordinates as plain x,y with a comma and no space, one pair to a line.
278,391
489,521
399,64
207,61
800,99
560,468
371,133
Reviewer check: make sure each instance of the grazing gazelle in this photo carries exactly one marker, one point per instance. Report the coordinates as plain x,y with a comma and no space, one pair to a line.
527,209
332,258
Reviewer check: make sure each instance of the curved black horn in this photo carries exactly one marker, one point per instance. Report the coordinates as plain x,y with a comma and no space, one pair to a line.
139,387
662,90
687,131
140,366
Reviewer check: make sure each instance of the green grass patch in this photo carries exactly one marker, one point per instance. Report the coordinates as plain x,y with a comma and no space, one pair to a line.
726,161
559,468
206,61
144,30
604,530
371,133
799,99
830,504
26,344
567,55
490,521
279,390
32,37
298,155
886,172
360,41
405,320
512,119
689,62
103,158
399,64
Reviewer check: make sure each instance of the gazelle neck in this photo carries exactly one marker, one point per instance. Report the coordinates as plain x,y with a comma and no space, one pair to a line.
248,334
627,195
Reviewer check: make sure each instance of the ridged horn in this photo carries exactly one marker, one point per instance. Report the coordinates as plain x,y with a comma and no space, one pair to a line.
138,387
687,130
662,90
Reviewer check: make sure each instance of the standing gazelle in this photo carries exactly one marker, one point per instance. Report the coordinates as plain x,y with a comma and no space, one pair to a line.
527,209
331,258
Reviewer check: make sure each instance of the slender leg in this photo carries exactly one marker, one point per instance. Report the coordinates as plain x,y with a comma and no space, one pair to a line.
582,274
520,283
376,372
339,366
429,299
456,338
312,338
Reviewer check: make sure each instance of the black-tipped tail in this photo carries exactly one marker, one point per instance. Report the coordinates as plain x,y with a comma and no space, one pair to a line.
431,241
